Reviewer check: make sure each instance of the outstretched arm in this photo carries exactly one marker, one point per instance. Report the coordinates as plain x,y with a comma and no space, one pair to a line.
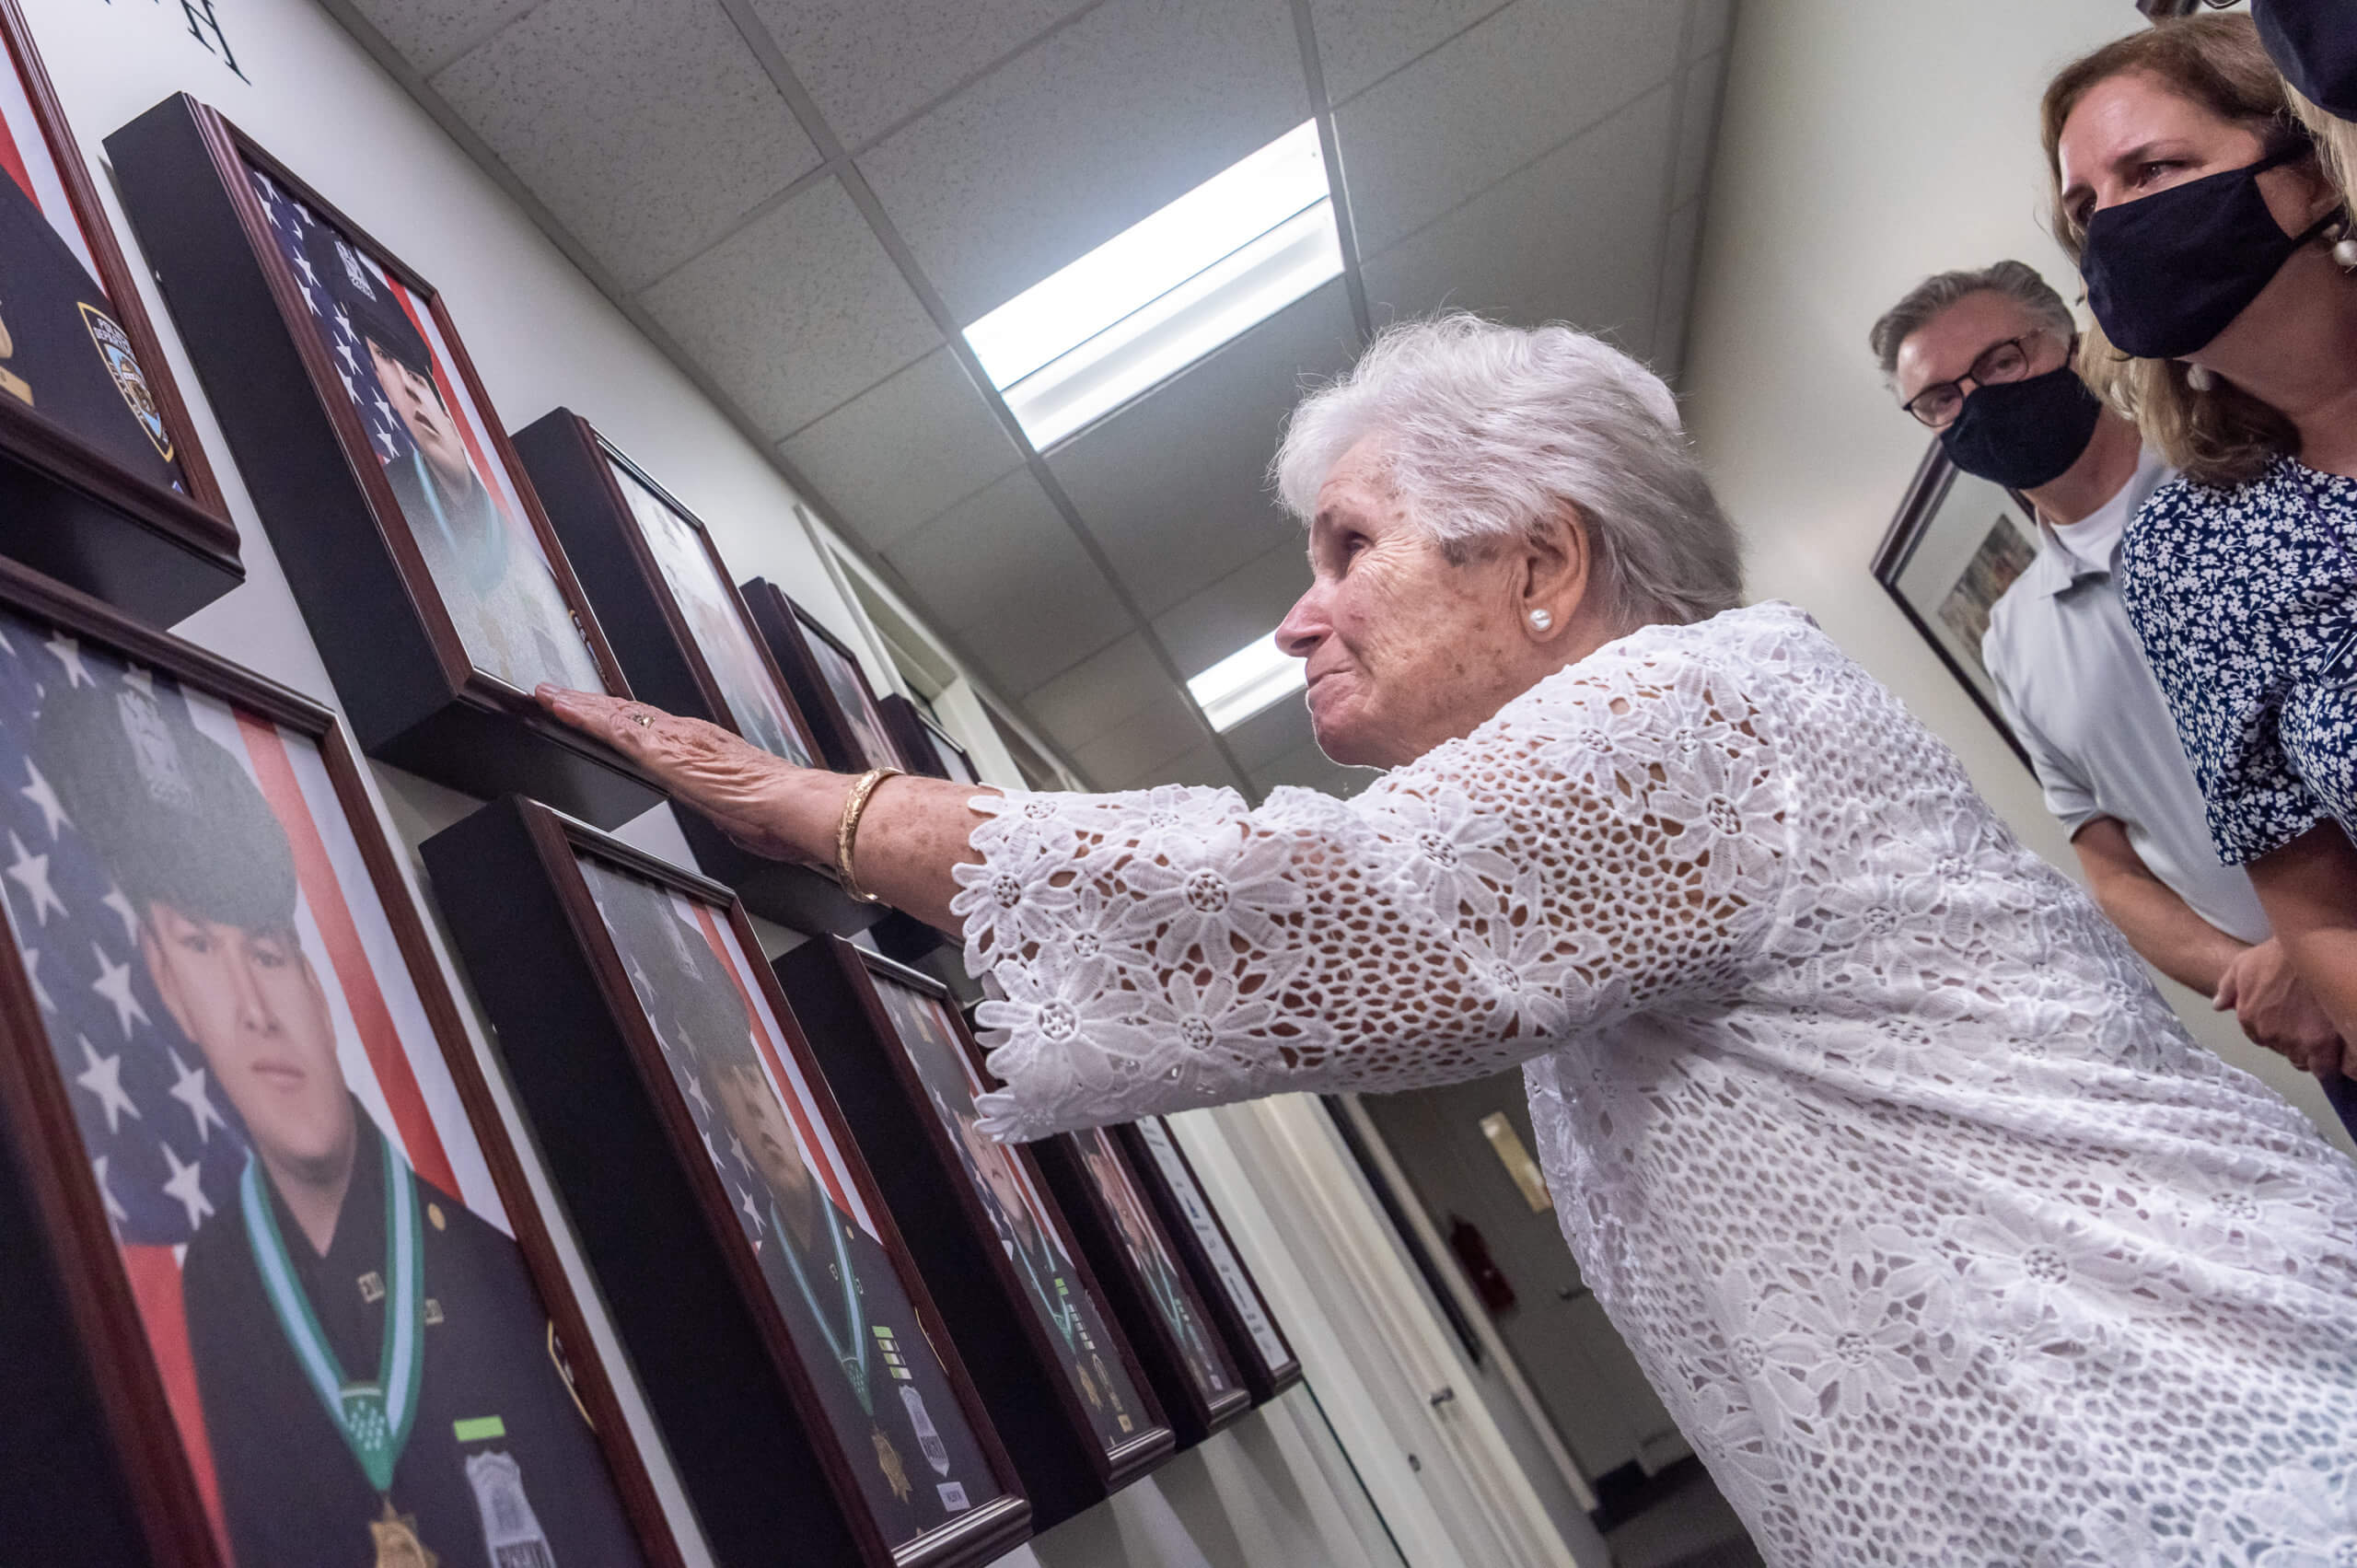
2309,891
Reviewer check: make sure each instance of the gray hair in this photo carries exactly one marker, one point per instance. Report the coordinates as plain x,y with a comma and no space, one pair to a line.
2017,281
1489,433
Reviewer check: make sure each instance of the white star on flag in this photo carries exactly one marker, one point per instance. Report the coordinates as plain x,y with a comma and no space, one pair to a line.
695,1092
351,393
30,871
117,902
710,1153
303,265
383,408
186,1187
752,1214
51,813
344,349
69,654
103,1077
140,680
188,1087
391,451
114,984
32,973
737,1153
310,300
115,1211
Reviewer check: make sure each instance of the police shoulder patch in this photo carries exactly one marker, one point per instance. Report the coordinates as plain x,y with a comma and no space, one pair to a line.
122,366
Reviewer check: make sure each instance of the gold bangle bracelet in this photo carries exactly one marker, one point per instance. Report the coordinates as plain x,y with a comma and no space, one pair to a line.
847,829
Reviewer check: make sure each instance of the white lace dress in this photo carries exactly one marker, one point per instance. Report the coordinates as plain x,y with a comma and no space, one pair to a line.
1942,1240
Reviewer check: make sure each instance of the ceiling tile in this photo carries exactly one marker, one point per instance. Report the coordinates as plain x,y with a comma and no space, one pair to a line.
1713,25
1038,636
650,130
797,312
871,63
1491,99
901,453
1099,693
429,34
1128,754
1308,768
1243,607
1073,141
1171,486
1575,236
1699,122
1361,42
1203,765
1276,731
1676,290
1006,545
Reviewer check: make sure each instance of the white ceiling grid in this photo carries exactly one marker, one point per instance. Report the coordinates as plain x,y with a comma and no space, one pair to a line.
802,200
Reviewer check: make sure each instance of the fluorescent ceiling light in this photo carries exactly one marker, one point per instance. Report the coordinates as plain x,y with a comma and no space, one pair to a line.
1162,294
1247,681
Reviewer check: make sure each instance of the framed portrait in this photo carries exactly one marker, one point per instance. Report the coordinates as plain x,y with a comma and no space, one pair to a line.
1061,1378
827,681
805,1386
433,587
1158,1304
319,1318
924,746
1954,548
102,485
1229,1292
686,640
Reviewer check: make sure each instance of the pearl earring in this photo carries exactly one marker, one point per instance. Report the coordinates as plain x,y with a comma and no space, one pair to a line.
1540,619
2198,377
2344,247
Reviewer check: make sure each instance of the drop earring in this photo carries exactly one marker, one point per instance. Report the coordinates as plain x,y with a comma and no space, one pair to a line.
2199,377
1541,619
2344,247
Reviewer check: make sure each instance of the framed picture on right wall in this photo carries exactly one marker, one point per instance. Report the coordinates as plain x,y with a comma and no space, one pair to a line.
1956,546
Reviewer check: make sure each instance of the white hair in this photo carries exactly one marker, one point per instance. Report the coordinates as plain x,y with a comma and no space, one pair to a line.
1489,434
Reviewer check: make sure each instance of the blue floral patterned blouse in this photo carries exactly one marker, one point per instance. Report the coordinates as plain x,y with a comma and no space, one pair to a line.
2245,602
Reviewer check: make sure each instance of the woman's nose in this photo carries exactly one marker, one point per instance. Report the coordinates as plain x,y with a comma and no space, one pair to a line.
1302,628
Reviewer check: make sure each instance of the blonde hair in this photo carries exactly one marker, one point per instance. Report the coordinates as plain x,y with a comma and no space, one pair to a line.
2336,144
2221,435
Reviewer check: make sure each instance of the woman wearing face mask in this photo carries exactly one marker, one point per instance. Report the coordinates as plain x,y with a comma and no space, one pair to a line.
2206,231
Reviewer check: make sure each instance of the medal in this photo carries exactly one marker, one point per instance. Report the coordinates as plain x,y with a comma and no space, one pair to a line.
14,385
395,1536
512,1536
936,1452
888,1459
374,1416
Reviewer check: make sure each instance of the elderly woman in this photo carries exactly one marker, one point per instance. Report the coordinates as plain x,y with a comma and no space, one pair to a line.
1942,1240
2211,243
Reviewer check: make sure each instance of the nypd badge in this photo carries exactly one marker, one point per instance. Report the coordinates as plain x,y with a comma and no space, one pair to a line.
123,367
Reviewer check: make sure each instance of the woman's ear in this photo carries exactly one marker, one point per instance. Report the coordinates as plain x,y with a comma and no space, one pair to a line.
1555,561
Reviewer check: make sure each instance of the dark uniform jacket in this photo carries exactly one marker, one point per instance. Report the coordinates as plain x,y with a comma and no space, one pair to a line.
1076,1330
293,1494
1170,1300
66,348
901,1362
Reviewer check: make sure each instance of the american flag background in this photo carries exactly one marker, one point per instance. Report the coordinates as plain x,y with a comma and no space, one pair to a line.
25,158
163,1143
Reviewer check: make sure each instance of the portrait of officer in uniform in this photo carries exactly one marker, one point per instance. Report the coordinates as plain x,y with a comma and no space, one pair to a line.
1030,1243
1152,1258
379,1381
62,353
487,566
887,1396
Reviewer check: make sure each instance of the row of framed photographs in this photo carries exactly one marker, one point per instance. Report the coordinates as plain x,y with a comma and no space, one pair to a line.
280,1291
445,570
281,1295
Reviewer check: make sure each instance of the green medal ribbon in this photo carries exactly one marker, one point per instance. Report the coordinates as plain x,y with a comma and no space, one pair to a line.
854,1365
1063,1312
375,1417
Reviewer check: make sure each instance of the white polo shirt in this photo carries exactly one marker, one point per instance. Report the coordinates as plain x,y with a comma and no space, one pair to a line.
2071,679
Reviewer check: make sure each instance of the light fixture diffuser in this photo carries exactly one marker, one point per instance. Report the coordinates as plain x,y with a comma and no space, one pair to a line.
1249,681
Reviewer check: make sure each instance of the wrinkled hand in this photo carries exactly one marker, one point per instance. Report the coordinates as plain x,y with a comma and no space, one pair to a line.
700,764
2276,1009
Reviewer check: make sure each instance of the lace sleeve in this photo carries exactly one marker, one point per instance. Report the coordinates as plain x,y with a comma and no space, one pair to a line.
1612,838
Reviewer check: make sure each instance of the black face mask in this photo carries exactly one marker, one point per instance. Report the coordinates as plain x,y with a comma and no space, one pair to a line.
2024,434
2169,272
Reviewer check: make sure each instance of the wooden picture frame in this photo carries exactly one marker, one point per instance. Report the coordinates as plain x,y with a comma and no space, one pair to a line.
103,484
1263,1353
433,585
683,1115
1150,1289
827,681
642,556
1956,545
205,824
925,747
1062,1381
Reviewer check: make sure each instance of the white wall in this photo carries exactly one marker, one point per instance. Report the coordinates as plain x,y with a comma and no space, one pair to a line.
1273,1489
1863,145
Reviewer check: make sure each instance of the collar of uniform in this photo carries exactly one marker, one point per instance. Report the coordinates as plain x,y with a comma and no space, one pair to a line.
2058,567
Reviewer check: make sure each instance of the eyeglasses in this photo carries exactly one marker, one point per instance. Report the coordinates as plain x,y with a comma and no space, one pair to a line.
1938,405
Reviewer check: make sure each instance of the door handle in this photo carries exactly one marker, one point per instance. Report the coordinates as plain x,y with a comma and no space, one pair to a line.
1441,1396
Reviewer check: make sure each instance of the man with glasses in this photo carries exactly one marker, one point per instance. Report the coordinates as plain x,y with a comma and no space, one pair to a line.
1984,358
